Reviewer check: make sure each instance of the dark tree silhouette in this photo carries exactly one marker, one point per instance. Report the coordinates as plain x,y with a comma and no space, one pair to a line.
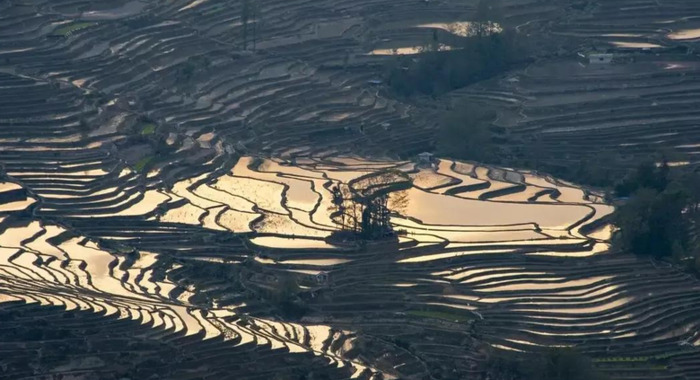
249,11
364,206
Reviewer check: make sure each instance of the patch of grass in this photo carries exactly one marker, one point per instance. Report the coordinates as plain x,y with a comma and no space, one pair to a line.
67,30
148,129
439,315
139,166
639,359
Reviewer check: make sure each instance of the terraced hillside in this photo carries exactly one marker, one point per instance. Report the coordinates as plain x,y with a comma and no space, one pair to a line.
487,257
164,193
565,109
302,77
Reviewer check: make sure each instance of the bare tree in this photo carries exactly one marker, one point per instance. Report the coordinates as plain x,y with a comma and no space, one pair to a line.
249,12
364,206
488,14
255,11
245,17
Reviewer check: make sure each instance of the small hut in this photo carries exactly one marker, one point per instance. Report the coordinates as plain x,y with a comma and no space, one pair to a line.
426,159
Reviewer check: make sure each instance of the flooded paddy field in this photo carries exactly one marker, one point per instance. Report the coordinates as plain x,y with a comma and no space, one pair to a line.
162,189
161,266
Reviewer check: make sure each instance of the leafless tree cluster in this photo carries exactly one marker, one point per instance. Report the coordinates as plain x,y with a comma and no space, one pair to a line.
488,14
364,206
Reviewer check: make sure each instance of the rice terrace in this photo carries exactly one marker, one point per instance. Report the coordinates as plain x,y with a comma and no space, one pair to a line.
357,189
